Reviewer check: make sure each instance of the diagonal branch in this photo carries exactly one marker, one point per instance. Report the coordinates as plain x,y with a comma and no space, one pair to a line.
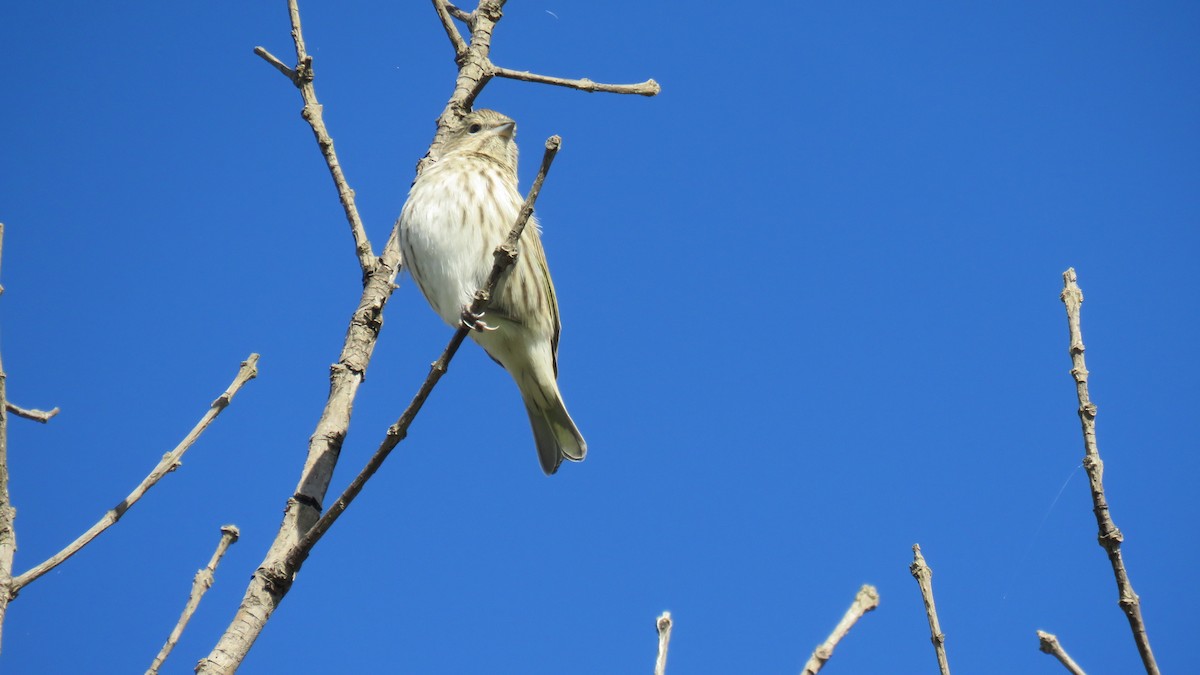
169,463
302,77
924,577
866,600
1110,537
444,11
200,584
505,256
1048,643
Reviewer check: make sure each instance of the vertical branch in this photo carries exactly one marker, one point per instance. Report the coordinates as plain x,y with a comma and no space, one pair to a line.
866,600
1110,537
8,535
200,584
924,577
663,625
1048,643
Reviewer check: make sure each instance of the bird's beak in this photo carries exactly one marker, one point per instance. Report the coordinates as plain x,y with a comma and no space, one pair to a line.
506,130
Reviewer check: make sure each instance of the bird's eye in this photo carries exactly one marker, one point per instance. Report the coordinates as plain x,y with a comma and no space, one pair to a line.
474,128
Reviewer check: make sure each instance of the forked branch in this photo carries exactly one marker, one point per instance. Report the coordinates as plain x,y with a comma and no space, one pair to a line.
476,68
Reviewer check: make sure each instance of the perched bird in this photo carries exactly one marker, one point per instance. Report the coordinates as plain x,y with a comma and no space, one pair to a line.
458,211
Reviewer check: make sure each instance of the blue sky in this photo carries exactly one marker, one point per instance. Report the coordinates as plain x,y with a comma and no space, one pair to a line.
811,316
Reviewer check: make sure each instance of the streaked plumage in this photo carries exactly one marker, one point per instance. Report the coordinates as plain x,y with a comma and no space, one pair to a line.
458,211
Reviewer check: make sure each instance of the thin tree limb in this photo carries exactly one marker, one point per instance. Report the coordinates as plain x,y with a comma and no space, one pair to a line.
302,77
647,88
505,256
663,626
460,14
456,40
200,584
866,600
1049,644
8,514
169,463
1110,537
42,416
274,61
924,576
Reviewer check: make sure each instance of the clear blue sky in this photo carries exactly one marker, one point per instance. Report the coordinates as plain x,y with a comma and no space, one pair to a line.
810,297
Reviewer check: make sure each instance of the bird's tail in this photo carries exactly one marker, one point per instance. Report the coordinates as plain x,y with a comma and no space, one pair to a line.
554,433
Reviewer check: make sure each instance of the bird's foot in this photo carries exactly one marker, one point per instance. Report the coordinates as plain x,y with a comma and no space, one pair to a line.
475,321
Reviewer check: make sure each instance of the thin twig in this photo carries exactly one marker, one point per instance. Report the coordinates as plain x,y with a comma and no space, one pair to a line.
924,576
34,414
647,88
505,256
866,600
1110,537
8,514
274,61
302,77
663,625
1049,644
456,39
460,14
200,584
169,463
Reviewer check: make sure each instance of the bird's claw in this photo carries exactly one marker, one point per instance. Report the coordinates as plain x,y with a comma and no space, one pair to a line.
475,321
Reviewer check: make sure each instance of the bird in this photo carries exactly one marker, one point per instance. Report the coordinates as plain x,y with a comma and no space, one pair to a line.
458,210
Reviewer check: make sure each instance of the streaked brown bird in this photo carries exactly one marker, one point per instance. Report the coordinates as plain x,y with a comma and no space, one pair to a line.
458,211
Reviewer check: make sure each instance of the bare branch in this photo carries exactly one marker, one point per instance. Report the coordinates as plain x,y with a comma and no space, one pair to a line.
663,625
8,514
42,416
302,77
866,600
505,256
924,576
169,463
1110,537
1049,644
647,88
460,14
200,584
279,65
443,11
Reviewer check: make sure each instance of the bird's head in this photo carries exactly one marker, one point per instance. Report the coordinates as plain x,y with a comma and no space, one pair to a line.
487,133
